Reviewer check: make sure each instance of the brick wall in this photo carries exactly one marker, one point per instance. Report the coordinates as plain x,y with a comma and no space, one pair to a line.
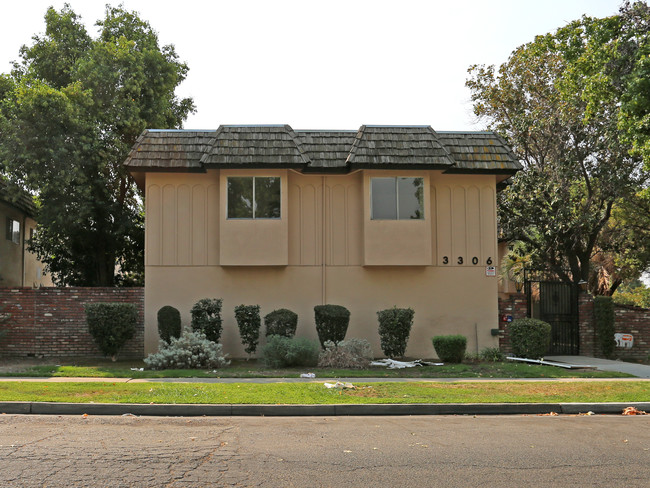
635,321
52,322
510,305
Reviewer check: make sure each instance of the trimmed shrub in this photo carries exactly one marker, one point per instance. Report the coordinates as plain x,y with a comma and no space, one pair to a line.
206,317
4,318
394,330
331,323
249,323
529,338
450,348
191,350
282,322
169,323
491,354
280,352
604,318
111,325
350,354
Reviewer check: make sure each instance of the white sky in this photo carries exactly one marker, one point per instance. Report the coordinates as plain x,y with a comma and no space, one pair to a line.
325,64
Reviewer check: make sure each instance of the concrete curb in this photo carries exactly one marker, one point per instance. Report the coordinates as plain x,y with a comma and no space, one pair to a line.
230,410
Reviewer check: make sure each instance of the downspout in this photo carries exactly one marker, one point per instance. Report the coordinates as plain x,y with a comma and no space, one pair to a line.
24,243
323,241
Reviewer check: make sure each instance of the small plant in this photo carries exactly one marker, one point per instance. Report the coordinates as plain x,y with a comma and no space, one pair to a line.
169,323
4,318
331,323
111,325
281,322
206,317
350,354
604,318
529,338
394,330
249,323
491,354
450,348
280,352
191,350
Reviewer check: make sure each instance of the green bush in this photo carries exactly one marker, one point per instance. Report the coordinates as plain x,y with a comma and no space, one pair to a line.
249,323
169,323
206,317
281,322
529,338
491,354
111,325
191,350
4,319
604,317
331,323
280,352
450,348
394,330
350,354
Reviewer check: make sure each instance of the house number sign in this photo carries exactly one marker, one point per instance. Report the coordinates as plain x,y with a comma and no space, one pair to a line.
460,260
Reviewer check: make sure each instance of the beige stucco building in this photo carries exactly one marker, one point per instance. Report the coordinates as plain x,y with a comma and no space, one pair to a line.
18,266
367,219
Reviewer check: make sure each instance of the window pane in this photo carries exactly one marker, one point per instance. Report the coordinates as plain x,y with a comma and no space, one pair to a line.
240,197
384,199
411,198
267,198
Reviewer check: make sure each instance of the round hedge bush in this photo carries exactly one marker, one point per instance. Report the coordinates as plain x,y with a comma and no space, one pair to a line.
450,348
529,338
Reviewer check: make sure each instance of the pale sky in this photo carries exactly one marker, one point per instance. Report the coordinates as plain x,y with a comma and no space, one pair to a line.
325,64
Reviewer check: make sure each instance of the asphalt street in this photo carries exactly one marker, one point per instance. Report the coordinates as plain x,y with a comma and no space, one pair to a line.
415,451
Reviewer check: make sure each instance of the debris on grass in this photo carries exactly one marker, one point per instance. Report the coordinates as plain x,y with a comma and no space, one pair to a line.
308,375
340,386
393,364
633,411
137,369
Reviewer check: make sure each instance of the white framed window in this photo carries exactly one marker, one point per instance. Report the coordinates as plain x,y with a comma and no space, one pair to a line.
397,198
253,197
13,230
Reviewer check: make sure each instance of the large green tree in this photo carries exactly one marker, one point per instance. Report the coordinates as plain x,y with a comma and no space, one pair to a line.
70,111
560,114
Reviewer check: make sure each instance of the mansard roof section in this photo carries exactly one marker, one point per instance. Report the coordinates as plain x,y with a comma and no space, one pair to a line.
169,149
388,147
256,146
479,152
327,148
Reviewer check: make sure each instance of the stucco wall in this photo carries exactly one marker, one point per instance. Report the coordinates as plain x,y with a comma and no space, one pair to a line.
436,265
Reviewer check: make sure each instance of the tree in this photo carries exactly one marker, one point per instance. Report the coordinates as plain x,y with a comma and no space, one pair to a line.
70,111
559,114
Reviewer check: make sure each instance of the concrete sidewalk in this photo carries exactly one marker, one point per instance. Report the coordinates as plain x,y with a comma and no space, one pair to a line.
639,370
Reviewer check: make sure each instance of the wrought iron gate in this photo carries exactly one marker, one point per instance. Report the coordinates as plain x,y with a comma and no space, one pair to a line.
555,302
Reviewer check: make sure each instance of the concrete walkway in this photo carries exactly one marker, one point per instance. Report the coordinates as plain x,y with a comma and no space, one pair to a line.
639,370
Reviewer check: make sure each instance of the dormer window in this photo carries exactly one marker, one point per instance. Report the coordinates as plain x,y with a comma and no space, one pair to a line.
397,198
253,197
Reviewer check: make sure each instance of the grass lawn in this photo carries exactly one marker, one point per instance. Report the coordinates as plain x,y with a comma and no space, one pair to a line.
316,393
256,369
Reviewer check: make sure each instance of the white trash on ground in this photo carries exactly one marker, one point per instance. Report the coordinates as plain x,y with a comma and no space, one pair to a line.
137,369
340,385
392,364
308,375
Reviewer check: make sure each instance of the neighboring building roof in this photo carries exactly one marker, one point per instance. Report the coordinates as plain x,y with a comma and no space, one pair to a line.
263,146
17,198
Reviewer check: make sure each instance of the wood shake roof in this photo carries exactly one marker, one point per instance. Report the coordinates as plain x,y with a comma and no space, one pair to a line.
264,146
17,198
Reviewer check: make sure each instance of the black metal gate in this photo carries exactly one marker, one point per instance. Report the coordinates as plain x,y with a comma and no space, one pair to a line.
555,302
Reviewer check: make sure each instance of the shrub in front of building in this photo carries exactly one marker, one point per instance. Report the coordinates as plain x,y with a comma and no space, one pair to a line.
249,323
169,323
206,318
450,348
349,354
331,323
192,350
604,317
529,338
281,352
282,322
394,330
111,325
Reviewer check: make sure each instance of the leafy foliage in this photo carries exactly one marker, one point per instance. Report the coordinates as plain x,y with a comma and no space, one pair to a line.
169,323
557,105
604,318
206,318
70,111
189,351
394,330
450,348
4,319
331,323
111,325
282,322
491,354
281,351
634,293
350,354
249,323
529,338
